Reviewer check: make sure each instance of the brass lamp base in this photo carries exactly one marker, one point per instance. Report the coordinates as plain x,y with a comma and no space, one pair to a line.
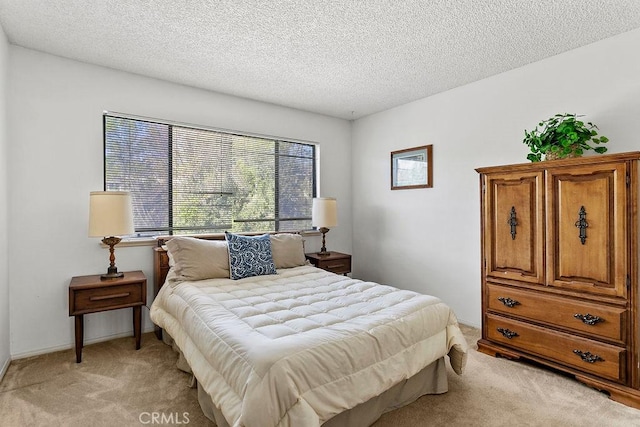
112,271
323,250
112,274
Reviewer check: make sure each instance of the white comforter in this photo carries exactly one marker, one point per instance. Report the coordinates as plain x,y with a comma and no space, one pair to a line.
296,348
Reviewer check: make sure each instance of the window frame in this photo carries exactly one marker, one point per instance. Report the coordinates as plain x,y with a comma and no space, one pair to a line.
148,234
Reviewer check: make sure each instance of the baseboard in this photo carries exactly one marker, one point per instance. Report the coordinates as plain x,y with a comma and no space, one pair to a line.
5,366
41,351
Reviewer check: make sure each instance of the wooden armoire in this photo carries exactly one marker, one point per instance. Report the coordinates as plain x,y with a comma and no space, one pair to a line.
559,264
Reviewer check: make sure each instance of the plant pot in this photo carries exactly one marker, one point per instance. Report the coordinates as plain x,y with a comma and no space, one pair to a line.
551,155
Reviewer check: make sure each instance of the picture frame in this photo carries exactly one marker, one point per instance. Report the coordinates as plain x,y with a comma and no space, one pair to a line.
412,168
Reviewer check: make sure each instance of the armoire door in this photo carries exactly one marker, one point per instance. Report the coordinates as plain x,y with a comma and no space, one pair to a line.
587,228
512,226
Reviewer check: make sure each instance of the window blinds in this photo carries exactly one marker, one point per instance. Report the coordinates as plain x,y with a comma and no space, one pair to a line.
187,180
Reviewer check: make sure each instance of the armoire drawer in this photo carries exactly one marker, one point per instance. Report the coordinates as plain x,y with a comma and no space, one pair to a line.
607,361
597,320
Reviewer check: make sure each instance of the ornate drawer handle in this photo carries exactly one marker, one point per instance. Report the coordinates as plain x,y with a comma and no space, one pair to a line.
513,222
588,357
508,301
588,319
582,224
507,333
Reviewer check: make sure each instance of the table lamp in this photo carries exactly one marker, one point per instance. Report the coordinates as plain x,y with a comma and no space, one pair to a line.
324,215
110,215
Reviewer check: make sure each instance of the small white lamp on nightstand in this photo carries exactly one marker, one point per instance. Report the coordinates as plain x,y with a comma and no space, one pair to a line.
110,215
324,215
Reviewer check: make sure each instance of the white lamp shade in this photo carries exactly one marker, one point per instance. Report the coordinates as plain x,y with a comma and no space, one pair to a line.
324,212
110,214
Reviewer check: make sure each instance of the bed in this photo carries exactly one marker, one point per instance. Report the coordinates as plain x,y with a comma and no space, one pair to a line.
287,344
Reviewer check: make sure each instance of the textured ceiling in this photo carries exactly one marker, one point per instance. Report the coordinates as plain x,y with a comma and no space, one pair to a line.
344,58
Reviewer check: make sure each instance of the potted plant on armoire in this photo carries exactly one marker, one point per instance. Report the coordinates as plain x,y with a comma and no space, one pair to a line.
561,136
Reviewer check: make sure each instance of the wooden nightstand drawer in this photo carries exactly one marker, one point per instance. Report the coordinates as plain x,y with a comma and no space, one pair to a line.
112,297
338,266
335,262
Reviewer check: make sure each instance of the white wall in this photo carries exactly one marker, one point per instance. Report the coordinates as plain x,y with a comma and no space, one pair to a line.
55,110
429,239
4,275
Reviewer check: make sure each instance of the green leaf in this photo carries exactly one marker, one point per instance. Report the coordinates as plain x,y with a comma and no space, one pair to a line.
562,134
600,150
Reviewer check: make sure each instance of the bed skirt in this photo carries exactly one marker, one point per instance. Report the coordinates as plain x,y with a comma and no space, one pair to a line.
430,380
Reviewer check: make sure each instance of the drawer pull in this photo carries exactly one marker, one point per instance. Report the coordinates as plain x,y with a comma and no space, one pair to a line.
122,295
508,301
582,224
588,319
335,266
507,333
513,222
588,357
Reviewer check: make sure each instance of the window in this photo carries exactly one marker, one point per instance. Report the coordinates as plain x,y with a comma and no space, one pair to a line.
189,180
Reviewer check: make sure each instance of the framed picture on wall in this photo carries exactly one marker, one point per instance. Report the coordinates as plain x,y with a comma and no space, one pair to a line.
412,168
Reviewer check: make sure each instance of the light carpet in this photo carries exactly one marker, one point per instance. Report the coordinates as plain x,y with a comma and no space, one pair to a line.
116,385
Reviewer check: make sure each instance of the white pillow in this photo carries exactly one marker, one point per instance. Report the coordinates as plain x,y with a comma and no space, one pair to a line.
198,259
287,250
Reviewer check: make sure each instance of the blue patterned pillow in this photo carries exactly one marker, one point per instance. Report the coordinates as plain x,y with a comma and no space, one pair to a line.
250,256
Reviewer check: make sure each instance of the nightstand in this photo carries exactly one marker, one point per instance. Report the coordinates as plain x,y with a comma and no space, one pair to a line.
335,262
91,294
